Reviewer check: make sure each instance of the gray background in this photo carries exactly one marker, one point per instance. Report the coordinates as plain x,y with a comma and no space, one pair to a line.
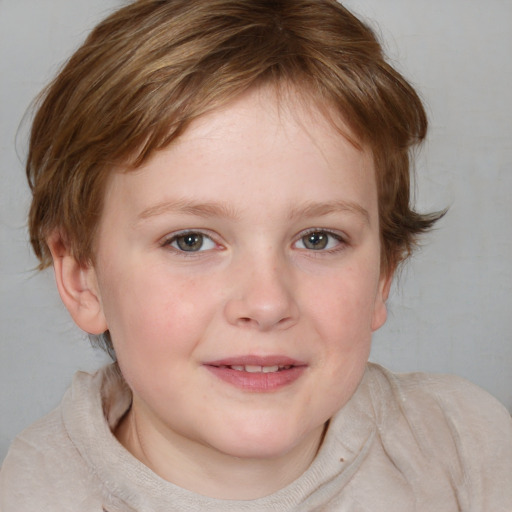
451,309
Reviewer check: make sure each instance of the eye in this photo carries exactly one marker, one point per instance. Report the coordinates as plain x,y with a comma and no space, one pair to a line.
319,241
191,241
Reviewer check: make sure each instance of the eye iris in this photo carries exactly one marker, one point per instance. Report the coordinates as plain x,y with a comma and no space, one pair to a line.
316,241
190,242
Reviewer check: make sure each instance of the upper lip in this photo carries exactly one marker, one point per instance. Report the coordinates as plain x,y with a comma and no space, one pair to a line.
253,360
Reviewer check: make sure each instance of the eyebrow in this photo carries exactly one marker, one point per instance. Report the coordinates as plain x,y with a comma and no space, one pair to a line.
222,210
189,208
314,209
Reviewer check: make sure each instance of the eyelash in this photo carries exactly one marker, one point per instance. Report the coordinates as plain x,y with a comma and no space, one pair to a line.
341,242
172,239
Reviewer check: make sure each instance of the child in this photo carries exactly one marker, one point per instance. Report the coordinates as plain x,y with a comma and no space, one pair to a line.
222,188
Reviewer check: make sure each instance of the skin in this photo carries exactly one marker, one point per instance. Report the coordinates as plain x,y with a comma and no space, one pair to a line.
255,179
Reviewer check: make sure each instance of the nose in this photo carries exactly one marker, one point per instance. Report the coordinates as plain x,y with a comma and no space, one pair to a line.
262,296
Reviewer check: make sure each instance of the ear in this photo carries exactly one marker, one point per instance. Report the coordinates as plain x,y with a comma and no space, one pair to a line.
380,311
78,287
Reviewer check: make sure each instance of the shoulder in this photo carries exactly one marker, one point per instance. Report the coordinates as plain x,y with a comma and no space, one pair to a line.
43,470
455,424
454,399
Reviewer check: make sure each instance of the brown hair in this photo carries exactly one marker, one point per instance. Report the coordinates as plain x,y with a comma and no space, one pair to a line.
153,66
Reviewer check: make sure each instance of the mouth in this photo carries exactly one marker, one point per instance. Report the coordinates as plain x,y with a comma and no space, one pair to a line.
252,368
257,374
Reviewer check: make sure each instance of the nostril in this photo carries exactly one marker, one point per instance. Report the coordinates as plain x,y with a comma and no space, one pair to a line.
256,311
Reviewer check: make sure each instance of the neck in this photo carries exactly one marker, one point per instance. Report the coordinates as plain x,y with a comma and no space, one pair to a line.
207,471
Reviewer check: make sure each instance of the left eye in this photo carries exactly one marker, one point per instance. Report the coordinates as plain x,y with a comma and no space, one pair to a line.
318,241
191,242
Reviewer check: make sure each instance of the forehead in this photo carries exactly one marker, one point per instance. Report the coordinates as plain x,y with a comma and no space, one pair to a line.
266,147
296,113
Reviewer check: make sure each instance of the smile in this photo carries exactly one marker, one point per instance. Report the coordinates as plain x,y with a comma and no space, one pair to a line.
257,374
259,369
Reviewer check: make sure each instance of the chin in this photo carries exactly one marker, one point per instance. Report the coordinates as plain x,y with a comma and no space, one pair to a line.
268,442
261,450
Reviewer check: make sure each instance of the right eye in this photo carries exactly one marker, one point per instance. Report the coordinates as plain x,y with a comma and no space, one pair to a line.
191,241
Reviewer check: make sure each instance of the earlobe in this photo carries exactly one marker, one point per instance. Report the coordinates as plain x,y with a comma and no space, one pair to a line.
380,312
78,287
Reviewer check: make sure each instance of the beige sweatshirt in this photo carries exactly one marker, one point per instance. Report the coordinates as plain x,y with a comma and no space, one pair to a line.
404,443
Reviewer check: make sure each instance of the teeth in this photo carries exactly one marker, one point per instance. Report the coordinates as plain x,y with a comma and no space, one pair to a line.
258,369
252,369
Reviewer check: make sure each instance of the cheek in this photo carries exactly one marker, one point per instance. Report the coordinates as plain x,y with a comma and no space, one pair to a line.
343,314
151,311
346,300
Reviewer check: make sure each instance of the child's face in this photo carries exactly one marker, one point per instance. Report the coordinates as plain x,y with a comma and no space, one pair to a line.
253,241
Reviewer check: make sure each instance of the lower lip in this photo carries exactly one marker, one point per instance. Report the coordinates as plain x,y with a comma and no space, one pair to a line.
258,382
